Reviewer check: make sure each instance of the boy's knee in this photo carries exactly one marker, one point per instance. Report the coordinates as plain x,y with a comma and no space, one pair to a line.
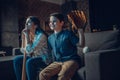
42,76
62,77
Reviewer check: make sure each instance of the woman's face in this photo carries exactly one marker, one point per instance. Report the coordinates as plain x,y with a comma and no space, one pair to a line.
29,23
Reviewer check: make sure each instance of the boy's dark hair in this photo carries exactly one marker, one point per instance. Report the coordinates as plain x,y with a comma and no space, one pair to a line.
58,16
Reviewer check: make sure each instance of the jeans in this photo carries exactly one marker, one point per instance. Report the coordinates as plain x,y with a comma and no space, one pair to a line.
33,66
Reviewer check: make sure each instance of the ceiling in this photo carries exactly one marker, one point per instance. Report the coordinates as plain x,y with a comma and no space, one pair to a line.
55,1
59,2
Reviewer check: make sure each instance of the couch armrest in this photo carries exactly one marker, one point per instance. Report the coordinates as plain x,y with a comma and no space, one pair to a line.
16,51
103,65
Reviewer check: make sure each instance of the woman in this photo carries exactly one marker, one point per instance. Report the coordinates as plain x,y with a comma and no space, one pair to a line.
34,44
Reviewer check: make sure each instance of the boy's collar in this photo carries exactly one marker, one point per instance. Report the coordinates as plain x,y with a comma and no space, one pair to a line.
56,32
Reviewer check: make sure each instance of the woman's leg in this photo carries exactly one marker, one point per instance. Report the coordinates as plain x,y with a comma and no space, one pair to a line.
17,63
33,66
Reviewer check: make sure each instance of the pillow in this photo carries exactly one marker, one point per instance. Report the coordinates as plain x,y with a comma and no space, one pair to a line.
102,40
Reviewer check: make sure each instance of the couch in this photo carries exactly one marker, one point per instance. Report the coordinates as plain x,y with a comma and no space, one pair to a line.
102,61
6,64
6,68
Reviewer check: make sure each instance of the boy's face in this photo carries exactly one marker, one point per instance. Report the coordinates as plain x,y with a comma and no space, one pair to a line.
54,23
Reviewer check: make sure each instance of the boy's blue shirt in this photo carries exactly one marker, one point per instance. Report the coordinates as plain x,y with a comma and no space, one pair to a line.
63,45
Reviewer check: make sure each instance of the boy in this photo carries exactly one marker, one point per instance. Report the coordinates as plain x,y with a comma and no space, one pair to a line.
63,43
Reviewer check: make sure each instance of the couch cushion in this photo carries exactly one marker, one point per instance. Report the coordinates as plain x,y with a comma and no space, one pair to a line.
102,40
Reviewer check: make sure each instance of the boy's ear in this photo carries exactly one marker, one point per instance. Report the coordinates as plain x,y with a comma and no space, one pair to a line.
62,22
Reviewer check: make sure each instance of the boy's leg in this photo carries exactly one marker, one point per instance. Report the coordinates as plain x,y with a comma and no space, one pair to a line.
49,71
68,70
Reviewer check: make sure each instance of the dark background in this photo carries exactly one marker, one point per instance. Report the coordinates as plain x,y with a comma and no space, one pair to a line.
101,15
104,14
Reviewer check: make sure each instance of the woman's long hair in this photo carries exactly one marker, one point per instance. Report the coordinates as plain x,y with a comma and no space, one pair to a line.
36,21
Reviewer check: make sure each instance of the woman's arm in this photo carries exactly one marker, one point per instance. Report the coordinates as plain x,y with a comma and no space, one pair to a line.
41,49
23,43
41,46
81,38
26,43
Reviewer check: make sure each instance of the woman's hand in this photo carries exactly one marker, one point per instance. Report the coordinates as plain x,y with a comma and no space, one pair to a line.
77,19
26,33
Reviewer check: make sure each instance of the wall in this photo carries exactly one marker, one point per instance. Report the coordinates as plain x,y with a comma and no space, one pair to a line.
36,8
9,23
104,14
